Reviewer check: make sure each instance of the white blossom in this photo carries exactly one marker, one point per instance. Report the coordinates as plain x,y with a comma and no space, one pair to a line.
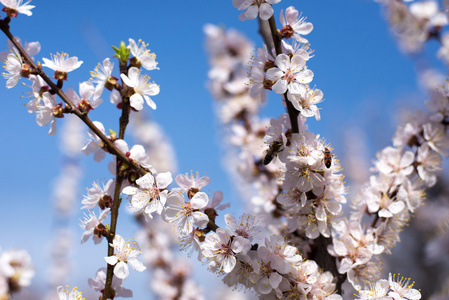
125,253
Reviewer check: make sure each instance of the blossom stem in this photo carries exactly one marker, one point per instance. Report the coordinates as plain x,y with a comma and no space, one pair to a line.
292,112
124,120
211,225
321,255
113,227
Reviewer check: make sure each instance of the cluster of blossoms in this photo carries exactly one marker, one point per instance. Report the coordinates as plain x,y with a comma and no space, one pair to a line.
264,268
416,22
16,272
171,274
44,104
395,192
391,290
299,197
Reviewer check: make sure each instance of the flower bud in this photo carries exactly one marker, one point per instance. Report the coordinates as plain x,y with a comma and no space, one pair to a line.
287,32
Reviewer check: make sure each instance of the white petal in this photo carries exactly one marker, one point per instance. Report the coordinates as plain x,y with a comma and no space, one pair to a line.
200,219
121,270
200,200
129,190
136,101
137,265
163,180
229,264
265,11
112,260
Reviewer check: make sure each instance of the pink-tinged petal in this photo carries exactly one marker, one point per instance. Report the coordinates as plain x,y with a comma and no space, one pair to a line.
199,201
126,293
183,181
223,234
282,62
238,244
407,159
99,155
86,89
96,285
252,12
321,213
340,248
231,221
291,14
242,16
86,235
202,182
129,190
242,4
163,180
175,199
334,208
200,219
280,87
103,215
323,228
275,279
345,265
97,240
273,1
112,260
90,148
263,286
136,265
136,101
265,11
72,95
312,231
95,103
121,270
229,264
33,48
170,214
281,18
12,81
279,264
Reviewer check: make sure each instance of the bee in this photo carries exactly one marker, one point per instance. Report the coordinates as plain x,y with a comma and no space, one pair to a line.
327,158
272,152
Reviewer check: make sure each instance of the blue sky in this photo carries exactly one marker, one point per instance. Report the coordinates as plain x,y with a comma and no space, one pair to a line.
364,77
